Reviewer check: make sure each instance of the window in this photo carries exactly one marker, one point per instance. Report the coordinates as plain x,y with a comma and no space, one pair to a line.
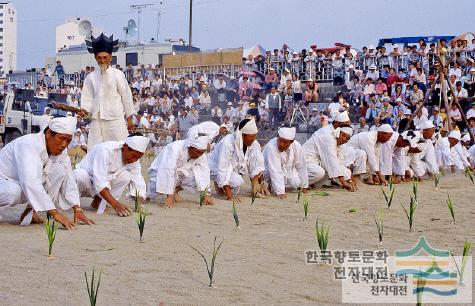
1,60
1,7
1,44
114,60
131,58
1,37
1,30
1,14
1,52
1,21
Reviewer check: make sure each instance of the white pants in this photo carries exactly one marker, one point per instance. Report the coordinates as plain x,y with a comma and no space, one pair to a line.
106,130
11,193
417,166
315,172
185,179
118,183
292,180
353,158
235,180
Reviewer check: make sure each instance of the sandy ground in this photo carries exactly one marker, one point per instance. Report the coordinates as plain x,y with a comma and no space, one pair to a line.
263,263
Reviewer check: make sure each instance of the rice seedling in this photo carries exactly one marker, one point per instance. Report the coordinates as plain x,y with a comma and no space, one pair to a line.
203,195
379,224
352,210
451,207
51,228
235,215
388,197
140,219
137,207
305,208
253,197
320,193
322,236
437,180
299,194
466,249
210,268
410,212
420,286
93,287
414,188
470,175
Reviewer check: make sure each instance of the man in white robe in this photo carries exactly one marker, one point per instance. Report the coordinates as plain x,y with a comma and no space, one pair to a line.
106,96
427,154
234,156
459,157
110,167
285,164
370,142
386,155
352,158
182,165
321,152
36,169
405,156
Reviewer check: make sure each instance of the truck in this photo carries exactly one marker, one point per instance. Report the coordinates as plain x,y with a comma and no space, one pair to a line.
20,113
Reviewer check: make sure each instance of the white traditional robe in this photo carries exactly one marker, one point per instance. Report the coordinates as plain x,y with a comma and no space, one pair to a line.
286,169
459,156
443,153
29,175
107,97
102,167
428,155
367,141
399,161
173,167
322,156
386,156
228,165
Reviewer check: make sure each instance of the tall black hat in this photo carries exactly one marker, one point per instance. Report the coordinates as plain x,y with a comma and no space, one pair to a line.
102,44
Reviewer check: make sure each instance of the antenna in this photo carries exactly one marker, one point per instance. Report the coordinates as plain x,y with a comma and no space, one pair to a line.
138,8
130,29
85,28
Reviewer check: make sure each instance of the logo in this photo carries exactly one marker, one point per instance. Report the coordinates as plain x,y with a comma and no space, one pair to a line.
421,274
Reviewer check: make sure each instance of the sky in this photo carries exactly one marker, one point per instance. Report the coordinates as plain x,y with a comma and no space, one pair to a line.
244,23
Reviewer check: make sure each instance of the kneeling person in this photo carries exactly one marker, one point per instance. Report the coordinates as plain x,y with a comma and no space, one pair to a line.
108,169
36,169
234,156
285,164
181,165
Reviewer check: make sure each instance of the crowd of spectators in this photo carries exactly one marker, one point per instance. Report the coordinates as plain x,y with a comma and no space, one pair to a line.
377,87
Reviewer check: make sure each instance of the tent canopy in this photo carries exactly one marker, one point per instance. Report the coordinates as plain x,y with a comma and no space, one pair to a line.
254,51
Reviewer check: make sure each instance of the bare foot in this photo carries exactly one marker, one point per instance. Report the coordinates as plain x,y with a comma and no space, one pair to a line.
177,198
397,179
369,181
35,219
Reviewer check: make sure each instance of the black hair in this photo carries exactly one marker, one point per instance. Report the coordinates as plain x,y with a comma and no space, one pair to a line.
135,134
345,125
53,133
243,123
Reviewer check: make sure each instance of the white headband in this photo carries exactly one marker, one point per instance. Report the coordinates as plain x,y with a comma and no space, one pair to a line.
63,125
200,142
287,133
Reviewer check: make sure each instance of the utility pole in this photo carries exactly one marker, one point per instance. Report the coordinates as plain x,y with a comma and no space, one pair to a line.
190,28
158,19
138,8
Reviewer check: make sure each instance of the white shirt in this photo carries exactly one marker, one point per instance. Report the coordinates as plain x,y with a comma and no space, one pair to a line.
175,159
26,162
366,141
108,96
104,161
282,165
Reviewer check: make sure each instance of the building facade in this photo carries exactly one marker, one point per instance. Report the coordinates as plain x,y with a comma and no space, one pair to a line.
8,37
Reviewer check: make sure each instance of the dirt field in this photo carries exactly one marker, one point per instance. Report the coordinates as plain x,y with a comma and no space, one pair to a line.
263,263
